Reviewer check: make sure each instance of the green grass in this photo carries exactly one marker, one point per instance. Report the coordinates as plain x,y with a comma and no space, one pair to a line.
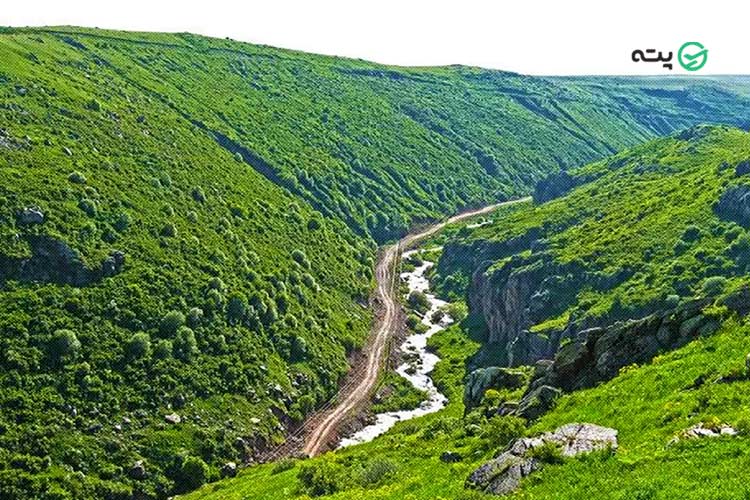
248,188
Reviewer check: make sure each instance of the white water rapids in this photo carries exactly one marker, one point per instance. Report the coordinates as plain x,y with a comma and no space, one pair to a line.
418,366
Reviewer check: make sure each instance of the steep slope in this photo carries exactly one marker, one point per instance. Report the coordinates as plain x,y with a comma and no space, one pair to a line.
377,146
188,227
669,196
646,230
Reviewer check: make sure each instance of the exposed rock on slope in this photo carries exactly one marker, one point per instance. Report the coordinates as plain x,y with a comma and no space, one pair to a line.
503,474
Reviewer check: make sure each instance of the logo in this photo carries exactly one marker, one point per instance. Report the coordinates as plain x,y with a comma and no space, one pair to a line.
692,56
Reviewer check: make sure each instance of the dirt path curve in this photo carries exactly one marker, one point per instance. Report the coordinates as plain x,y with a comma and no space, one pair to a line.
320,437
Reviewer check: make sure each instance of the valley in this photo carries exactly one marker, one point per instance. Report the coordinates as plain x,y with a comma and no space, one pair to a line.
200,249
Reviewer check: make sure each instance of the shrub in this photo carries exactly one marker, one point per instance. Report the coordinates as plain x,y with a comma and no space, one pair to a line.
192,216
163,349
93,105
692,233
88,206
300,258
185,345
322,477
122,222
501,430
64,344
376,470
193,474
195,316
77,177
299,349
139,346
198,194
236,309
313,224
171,322
418,301
169,230
713,286
283,465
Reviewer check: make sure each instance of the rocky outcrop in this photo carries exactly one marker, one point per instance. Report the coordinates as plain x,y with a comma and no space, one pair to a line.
742,168
519,294
503,474
493,377
734,205
537,402
598,354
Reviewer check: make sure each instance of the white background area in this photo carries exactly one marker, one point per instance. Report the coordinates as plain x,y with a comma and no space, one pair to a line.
534,37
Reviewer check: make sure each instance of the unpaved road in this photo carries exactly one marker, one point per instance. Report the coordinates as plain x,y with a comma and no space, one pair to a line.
320,437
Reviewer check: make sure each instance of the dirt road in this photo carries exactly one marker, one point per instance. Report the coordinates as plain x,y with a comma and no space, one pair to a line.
320,437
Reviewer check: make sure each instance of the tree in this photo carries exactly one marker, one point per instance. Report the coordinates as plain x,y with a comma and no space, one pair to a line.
139,346
171,322
64,345
185,345
193,473
236,309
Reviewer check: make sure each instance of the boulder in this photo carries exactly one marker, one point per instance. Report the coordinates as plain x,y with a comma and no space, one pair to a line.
173,418
734,205
537,402
742,168
229,469
138,471
503,474
493,377
31,215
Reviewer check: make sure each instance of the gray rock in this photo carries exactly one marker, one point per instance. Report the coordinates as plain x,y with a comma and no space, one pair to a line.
31,215
229,469
742,168
493,377
734,205
503,474
537,402
138,471
173,418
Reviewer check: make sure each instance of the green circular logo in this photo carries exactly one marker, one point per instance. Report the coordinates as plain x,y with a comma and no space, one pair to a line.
692,56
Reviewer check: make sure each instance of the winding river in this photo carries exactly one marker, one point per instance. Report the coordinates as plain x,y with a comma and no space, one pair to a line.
419,361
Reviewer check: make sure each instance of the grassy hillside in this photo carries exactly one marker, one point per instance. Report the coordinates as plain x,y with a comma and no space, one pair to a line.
188,227
663,196
377,146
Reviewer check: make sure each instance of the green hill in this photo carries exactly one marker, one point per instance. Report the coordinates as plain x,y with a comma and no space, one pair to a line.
671,197
188,228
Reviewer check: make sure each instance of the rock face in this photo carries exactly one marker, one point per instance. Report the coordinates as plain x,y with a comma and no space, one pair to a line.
31,215
742,168
493,377
503,474
537,402
597,354
734,205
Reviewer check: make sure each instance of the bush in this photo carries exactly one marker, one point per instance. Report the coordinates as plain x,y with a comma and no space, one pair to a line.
64,344
122,222
163,349
322,477
139,346
300,258
714,286
501,430
283,465
193,474
185,345
77,178
376,470
236,309
198,194
171,322
418,301
299,349
88,206
692,233
169,230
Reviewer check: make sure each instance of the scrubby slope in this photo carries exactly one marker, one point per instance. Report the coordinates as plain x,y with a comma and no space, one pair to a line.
378,146
187,226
